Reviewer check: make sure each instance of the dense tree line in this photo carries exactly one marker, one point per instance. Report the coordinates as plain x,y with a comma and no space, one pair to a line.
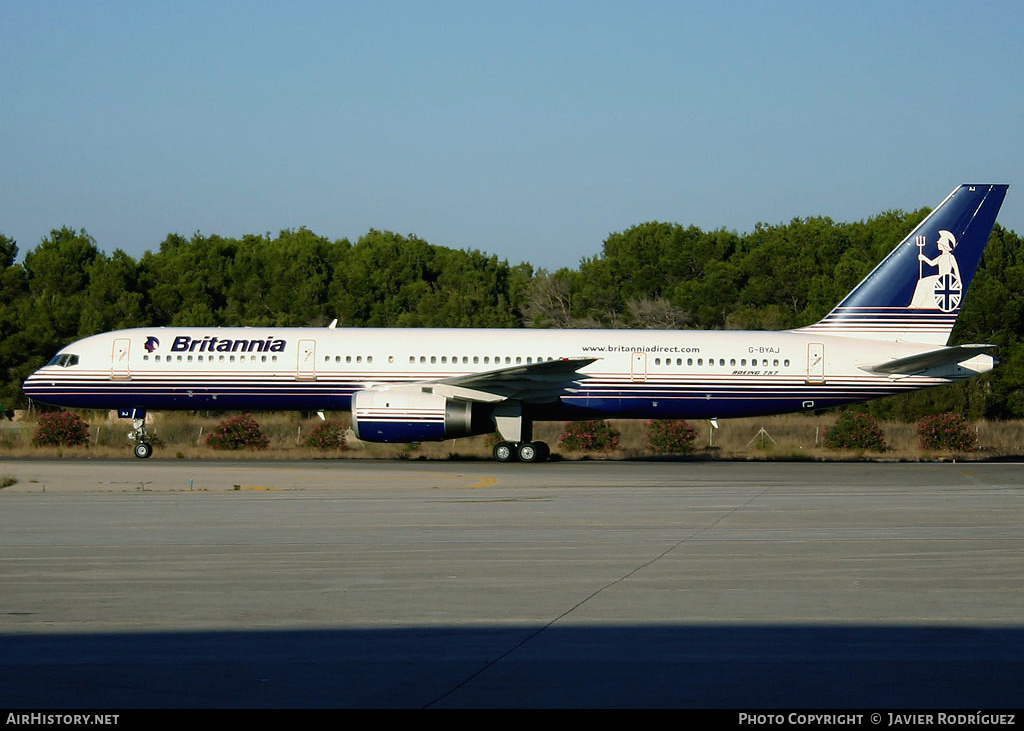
661,275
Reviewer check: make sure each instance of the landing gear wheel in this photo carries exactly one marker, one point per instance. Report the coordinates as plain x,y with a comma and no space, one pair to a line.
504,451
521,451
528,452
143,450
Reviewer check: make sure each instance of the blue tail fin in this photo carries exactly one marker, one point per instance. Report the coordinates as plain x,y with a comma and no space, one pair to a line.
916,292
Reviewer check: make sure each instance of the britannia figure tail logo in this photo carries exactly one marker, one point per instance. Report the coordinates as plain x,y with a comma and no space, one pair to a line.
942,290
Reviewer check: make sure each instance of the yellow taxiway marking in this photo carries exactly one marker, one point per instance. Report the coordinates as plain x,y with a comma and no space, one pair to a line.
485,482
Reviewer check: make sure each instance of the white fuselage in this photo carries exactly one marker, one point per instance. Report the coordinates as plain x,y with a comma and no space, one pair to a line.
638,373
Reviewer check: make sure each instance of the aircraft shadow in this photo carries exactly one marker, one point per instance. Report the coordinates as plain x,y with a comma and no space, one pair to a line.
699,666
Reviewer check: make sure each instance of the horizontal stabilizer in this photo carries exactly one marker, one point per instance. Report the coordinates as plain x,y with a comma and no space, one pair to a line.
931,359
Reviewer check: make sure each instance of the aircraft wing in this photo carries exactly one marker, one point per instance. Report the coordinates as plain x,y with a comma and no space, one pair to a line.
930,359
534,383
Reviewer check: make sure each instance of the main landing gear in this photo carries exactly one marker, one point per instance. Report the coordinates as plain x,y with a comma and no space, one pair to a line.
521,451
517,433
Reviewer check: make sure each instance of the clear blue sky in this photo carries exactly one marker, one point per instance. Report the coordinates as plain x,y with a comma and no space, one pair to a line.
530,130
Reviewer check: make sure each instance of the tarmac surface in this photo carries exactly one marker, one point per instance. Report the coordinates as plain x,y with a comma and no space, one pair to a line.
346,583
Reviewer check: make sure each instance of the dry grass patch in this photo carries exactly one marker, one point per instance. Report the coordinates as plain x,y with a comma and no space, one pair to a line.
785,437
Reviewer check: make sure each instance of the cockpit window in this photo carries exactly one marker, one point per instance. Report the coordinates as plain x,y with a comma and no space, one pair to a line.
65,360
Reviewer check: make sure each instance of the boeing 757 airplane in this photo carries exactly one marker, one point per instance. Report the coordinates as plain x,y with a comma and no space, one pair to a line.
887,336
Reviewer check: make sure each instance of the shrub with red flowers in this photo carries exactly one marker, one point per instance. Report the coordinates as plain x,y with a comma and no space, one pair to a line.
327,435
670,436
61,429
945,433
589,436
238,432
855,430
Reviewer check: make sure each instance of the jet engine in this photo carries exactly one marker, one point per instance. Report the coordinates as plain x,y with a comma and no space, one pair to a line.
416,414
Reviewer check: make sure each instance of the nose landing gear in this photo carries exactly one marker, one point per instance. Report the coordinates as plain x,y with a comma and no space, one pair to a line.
143,447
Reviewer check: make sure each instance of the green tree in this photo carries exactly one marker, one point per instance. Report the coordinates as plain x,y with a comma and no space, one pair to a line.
389,280
112,300
187,277
58,279
49,309
13,343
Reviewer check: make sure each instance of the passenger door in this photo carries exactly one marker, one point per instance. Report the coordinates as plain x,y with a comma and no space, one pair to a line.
119,360
815,363
305,367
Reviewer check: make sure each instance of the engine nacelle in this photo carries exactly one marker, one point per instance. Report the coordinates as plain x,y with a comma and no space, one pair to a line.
414,414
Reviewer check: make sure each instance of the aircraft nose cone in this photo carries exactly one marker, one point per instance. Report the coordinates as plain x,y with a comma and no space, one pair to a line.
34,384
